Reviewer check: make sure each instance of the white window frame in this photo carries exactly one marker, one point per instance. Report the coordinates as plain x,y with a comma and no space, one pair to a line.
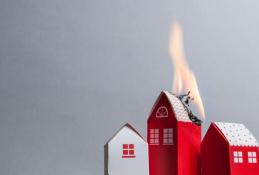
238,157
168,136
252,157
154,136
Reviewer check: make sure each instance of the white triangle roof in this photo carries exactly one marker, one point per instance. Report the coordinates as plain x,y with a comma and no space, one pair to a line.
237,134
127,125
179,110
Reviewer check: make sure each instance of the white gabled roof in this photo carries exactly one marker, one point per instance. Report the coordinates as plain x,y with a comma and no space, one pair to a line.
237,134
180,112
127,125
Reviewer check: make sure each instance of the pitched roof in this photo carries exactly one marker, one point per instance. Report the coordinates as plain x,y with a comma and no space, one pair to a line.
179,110
237,134
128,126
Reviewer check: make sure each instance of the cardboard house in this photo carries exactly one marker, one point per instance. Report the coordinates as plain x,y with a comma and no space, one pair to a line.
229,149
174,140
126,153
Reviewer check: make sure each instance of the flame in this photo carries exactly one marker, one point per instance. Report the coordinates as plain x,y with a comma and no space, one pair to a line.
184,78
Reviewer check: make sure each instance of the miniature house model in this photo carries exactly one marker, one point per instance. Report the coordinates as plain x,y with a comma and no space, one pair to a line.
175,148
229,149
174,140
126,153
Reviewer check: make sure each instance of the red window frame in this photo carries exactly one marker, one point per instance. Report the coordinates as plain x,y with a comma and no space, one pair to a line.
128,151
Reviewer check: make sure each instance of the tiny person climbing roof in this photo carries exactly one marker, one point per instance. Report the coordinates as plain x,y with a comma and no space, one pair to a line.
237,134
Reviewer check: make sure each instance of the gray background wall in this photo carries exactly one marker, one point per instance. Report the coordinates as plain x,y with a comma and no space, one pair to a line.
73,72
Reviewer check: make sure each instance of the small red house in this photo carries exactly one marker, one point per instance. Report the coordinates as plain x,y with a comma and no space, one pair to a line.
229,149
174,140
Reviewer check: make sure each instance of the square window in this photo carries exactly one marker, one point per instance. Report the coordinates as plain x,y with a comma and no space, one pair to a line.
165,135
235,154
170,140
252,157
238,156
240,160
128,151
131,152
131,146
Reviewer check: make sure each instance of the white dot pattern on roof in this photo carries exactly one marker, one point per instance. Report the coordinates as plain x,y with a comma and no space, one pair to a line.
180,111
237,134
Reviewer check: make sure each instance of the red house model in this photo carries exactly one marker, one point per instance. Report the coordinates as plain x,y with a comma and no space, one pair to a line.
229,149
174,140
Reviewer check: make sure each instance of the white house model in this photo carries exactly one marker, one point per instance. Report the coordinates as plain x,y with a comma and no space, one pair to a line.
126,153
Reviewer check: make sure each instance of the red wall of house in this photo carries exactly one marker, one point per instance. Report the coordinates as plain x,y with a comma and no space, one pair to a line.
162,158
214,153
245,167
189,140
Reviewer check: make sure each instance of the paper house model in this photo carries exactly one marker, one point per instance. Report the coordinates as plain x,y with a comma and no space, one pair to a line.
229,149
174,140
126,153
